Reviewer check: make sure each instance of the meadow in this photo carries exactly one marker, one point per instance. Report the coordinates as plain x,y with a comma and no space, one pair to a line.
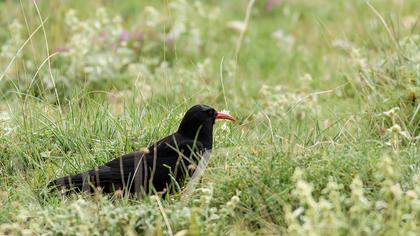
326,96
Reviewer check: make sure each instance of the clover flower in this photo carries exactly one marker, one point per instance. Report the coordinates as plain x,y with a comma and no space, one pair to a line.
124,36
395,129
270,4
392,112
231,205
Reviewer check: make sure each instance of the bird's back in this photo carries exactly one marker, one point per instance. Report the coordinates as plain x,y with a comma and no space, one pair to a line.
171,158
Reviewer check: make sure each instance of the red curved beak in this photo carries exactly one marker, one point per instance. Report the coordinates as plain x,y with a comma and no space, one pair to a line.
224,116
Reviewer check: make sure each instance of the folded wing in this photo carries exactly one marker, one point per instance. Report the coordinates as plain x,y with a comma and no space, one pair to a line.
145,172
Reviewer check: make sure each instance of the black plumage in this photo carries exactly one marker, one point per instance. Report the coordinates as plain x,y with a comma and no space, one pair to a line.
162,167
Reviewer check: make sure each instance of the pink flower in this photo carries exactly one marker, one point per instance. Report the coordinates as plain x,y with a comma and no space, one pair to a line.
60,49
169,41
124,36
138,36
270,4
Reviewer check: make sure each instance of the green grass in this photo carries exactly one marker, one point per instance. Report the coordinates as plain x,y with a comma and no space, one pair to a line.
310,106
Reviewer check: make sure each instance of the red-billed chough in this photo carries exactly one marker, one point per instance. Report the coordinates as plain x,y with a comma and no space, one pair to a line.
161,167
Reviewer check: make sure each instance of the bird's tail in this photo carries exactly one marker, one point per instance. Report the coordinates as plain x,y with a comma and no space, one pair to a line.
78,183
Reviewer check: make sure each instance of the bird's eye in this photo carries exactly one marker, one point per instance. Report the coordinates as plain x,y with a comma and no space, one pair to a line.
211,113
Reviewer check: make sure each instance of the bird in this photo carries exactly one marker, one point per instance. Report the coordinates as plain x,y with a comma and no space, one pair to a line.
163,167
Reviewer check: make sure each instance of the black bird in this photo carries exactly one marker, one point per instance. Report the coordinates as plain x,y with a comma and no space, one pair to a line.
174,157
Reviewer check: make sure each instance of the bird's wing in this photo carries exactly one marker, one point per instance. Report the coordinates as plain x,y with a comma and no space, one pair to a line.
141,169
175,144
113,174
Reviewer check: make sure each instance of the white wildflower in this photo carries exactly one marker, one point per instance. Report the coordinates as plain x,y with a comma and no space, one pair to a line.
359,59
411,194
394,129
380,205
238,26
392,112
4,116
306,77
396,191
10,47
358,198
179,23
225,127
152,16
342,44
283,40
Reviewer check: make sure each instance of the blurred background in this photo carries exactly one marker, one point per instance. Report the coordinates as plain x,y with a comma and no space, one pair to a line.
158,47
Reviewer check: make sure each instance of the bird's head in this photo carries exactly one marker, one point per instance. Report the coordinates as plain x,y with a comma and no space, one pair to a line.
198,123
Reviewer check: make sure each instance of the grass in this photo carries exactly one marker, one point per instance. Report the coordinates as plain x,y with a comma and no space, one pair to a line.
317,148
